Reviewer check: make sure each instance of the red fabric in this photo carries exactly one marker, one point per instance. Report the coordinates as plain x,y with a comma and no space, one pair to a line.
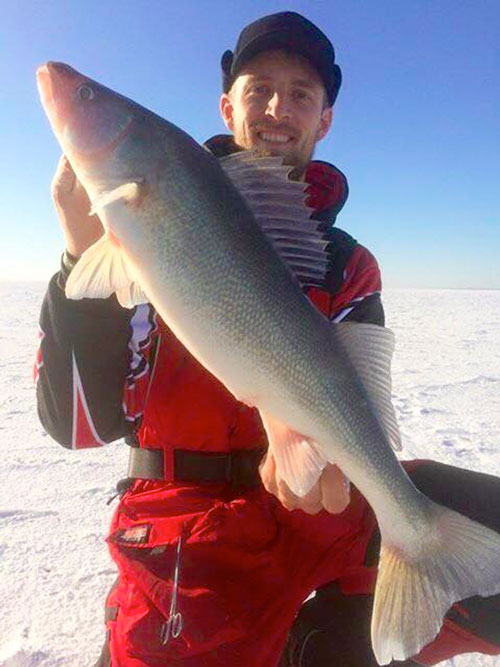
141,372
451,641
84,434
246,566
39,357
188,407
361,278
327,187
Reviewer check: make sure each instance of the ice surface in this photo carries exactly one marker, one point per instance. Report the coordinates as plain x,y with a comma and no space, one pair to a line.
55,568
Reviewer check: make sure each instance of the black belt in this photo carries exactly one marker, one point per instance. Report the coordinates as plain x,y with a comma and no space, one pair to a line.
238,468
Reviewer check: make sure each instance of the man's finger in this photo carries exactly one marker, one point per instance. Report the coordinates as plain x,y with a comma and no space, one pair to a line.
64,179
335,489
312,502
287,498
267,471
275,485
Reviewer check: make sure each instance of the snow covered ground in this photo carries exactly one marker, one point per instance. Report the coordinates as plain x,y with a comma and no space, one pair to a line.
55,569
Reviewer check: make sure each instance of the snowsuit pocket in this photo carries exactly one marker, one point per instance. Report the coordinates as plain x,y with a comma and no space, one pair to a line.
224,549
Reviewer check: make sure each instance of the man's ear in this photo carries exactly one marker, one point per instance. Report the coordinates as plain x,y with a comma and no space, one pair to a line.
226,111
325,123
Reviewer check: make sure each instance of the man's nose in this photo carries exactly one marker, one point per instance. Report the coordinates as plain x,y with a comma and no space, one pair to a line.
279,106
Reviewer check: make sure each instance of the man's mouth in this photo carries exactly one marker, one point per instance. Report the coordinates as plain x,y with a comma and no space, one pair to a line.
275,137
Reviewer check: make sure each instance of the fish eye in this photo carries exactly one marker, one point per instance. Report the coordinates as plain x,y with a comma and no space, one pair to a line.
85,92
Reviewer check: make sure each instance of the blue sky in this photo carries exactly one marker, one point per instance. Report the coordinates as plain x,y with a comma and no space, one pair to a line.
416,130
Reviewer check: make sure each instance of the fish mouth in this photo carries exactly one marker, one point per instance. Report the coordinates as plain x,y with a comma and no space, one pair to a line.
56,83
59,86
55,78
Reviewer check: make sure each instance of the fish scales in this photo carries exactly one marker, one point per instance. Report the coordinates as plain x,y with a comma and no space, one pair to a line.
256,299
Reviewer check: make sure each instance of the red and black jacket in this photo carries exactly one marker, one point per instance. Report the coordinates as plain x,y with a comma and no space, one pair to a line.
105,372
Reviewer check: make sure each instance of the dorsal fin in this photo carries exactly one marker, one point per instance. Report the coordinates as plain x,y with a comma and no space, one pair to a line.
279,208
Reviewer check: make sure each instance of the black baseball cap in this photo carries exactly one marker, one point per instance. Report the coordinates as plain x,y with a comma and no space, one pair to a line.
289,31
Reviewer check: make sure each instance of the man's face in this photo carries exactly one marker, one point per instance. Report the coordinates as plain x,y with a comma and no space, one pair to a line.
276,106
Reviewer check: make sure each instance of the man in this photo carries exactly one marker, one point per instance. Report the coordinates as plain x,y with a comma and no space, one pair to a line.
212,567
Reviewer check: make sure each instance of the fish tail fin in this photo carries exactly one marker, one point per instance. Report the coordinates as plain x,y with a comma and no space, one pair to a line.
414,591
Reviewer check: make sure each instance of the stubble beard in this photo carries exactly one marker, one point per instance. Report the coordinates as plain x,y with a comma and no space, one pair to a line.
293,158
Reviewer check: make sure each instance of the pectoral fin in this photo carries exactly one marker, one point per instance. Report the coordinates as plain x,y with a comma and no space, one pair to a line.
103,269
128,193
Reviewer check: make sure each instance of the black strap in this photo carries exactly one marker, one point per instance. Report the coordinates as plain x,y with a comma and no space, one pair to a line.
145,463
68,262
238,468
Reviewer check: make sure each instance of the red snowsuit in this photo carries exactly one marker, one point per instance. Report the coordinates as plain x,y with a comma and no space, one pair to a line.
246,563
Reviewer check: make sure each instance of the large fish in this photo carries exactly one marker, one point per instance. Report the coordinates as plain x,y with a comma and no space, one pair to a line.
220,249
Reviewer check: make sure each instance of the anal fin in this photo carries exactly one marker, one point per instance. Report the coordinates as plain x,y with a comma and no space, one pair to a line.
370,348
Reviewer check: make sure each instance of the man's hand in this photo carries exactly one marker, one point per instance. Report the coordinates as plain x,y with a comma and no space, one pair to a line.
81,230
331,491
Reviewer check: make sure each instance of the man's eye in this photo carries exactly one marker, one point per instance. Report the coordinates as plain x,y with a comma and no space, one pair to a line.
302,95
259,90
